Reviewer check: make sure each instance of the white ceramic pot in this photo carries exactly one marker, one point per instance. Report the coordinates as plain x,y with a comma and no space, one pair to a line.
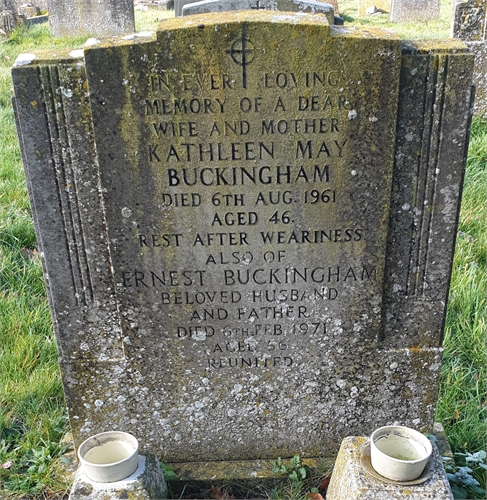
399,453
109,456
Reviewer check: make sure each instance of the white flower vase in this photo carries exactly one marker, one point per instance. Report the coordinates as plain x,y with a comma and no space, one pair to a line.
399,453
109,456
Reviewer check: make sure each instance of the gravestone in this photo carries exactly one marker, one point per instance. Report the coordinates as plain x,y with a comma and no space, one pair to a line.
403,11
178,6
28,10
8,22
103,18
21,5
247,242
7,5
14,12
470,25
308,6
190,7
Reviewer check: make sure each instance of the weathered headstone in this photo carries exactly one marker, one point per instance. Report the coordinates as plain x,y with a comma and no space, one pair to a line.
190,7
247,223
178,6
403,11
7,5
28,10
470,25
13,12
8,21
20,5
103,18
308,6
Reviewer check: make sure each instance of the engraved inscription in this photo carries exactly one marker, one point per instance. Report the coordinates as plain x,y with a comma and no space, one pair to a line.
256,241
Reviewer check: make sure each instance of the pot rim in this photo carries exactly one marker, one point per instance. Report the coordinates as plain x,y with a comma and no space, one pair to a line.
116,436
411,433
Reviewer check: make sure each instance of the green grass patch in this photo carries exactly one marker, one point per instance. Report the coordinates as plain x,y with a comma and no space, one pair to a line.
33,423
462,404
417,30
148,20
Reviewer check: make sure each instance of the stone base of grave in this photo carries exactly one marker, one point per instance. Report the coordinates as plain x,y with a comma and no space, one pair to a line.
146,483
351,481
255,475
193,477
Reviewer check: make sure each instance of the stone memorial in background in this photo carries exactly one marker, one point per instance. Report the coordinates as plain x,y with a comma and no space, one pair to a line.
190,7
22,5
8,22
14,12
470,25
103,18
247,223
178,6
308,6
403,11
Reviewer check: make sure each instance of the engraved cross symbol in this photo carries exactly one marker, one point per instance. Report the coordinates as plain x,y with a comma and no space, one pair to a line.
242,53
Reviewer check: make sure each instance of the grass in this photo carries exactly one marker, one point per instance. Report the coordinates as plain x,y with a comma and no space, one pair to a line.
33,423
148,20
33,426
462,405
435,28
